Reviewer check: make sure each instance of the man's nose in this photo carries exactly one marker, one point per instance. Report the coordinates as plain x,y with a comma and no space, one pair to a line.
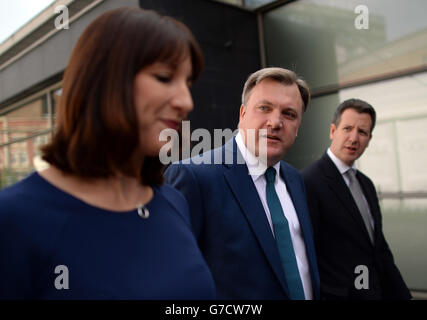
275,121
354,136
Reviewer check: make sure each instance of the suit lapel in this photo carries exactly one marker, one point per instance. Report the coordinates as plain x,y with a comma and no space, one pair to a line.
244,191
338,186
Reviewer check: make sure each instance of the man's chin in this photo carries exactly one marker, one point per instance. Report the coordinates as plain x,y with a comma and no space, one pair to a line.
349,160
274,157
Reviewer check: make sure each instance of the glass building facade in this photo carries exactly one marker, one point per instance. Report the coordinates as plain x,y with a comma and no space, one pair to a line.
384,63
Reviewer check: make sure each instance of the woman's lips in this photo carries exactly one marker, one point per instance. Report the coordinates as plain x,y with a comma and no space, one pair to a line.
172,124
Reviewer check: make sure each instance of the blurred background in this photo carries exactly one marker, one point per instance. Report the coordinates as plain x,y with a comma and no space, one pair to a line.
384,64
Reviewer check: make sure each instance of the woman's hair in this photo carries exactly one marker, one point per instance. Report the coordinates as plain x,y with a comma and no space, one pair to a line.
97,131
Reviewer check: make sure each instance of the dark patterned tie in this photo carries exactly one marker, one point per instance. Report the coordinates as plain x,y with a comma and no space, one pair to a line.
283,239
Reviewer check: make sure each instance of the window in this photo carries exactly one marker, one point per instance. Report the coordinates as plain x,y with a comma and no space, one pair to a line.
24,128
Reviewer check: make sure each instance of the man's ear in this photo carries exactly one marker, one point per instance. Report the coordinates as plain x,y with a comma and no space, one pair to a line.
332,129
242,112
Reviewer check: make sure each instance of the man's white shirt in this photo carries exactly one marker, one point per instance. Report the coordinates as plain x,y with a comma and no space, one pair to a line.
288,210
343,168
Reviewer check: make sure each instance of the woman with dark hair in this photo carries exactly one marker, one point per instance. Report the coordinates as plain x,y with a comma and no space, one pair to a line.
99,223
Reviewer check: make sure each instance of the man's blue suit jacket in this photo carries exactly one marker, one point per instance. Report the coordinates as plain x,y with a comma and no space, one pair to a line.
232,228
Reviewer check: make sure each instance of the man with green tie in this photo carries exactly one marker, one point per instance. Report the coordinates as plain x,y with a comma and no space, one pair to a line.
250,215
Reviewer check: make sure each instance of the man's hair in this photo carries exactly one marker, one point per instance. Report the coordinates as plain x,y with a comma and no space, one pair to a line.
284,76
359,106
98,130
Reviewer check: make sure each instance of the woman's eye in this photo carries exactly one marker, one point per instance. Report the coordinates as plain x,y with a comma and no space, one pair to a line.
163,78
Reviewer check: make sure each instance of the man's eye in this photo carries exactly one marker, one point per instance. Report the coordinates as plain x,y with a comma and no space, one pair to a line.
263,108
290,115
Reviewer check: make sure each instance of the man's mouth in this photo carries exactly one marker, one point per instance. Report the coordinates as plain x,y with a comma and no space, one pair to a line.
272,137
351,149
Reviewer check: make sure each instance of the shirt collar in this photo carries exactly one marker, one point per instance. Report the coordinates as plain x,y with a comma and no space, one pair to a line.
342,167
254,170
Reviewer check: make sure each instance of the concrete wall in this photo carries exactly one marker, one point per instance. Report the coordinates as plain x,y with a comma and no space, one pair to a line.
33,70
